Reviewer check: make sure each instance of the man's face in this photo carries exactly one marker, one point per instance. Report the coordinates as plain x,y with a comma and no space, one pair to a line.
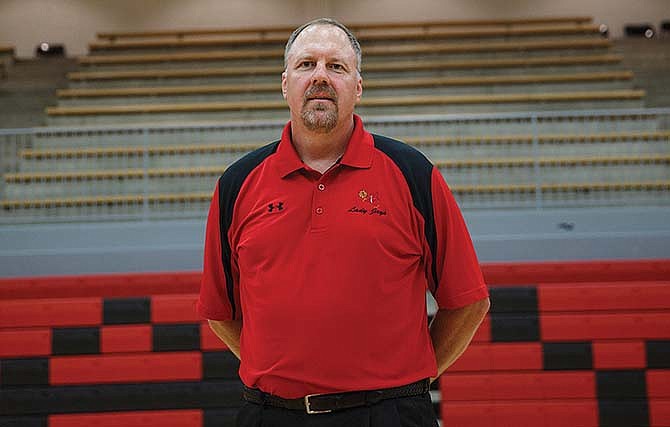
321,83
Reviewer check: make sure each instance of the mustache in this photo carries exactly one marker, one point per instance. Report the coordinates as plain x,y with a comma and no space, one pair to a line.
321,90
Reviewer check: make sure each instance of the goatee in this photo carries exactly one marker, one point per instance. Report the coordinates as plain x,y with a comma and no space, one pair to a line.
320,116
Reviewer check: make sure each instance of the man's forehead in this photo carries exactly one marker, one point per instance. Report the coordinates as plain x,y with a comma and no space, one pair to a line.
322,36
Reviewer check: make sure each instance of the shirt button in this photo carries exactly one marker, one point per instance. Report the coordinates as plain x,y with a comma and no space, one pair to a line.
321,187
319,210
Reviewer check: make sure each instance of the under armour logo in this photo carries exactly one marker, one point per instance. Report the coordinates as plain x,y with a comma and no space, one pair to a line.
279,206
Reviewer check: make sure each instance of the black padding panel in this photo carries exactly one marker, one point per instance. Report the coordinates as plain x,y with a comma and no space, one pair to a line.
514,327
176,337
658,354
24,372
567,355
75,341
220,365
627,413
120,311
622,398
621,385
120,397
513,299
24,421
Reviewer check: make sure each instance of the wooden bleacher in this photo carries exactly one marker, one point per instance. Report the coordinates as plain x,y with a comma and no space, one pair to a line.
366,39
368,102
372,87
214,172
368,68
357,27
488,147
565,343
125,152
139,113
504,195
396,56
268,73
419,50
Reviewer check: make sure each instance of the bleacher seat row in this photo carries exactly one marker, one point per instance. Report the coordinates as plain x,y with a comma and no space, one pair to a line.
405,37
372,87
375,54
357,27
565,344
271,72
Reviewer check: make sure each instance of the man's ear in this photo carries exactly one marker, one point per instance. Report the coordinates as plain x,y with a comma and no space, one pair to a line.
359,88
283,84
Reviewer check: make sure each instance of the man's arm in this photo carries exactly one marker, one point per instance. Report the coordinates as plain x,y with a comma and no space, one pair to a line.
452,330
229,332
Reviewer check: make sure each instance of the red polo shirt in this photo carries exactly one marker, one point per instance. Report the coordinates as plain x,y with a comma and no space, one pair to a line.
329,272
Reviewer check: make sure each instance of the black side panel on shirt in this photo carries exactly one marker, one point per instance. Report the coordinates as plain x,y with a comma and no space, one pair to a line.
417,170
229,188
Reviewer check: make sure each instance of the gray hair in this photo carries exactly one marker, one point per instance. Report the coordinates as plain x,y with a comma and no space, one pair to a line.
325,21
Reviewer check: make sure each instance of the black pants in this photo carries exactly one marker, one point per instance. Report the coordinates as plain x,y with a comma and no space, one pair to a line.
415,411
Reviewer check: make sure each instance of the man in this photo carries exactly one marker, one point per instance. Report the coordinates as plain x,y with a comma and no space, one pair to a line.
319,250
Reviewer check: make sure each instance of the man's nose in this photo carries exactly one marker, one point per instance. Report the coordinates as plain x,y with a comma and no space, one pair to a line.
320,74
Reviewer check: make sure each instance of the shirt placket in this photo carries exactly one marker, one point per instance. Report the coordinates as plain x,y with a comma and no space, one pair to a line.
320,201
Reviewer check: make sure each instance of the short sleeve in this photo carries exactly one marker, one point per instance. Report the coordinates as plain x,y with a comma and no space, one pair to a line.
459,278
217,290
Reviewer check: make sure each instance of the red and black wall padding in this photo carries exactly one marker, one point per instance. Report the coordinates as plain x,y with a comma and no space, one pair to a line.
565,344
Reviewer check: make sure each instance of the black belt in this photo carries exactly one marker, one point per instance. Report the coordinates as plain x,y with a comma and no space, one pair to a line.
322,403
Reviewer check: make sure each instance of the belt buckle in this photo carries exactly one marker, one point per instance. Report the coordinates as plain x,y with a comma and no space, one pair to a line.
309,409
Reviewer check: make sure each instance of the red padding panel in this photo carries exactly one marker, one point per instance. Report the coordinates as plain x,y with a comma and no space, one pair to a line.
186,418
659,412
50,312
576,271
141,284
208,339
584,327
619,355
483,334
604,296
518,386
102,285
658,383
25,342
174,309
556,413
182,366
499,357
126,339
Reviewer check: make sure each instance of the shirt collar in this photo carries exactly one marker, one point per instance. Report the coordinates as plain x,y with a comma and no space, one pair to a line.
358,153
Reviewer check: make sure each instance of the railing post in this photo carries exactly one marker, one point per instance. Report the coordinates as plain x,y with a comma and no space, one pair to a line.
145,174
536,161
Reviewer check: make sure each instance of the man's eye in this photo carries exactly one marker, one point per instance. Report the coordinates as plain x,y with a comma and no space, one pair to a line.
305,64
337,67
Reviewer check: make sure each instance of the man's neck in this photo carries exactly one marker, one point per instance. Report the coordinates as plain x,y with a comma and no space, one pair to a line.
318,150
